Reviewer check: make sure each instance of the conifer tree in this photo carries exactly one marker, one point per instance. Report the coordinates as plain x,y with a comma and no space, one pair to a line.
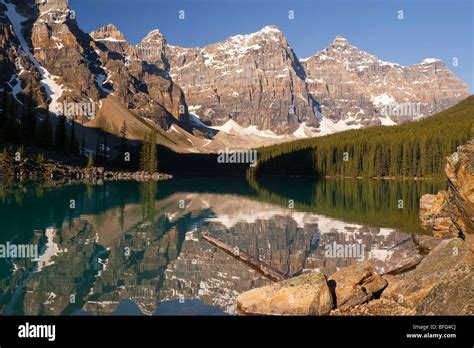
90,161
29,126
144,154
104,148
148,153
46,132
73,143
123,137
407,150
61,138
97,152
83,146
153,160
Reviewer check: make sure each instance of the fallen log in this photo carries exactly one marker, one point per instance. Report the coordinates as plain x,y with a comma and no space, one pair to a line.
405,268
259,266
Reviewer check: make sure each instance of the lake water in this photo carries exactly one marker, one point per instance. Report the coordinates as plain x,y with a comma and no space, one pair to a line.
129,248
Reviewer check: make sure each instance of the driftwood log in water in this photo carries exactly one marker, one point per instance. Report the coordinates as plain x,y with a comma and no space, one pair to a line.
261,267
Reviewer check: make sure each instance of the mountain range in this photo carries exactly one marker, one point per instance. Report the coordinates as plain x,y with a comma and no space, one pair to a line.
248,90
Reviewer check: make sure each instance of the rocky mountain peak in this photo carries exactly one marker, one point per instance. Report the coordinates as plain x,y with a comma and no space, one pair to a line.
57,4
154,36
270,30
254,80
357,87
108,33
54,12
340,41
432,61
153,49
267,34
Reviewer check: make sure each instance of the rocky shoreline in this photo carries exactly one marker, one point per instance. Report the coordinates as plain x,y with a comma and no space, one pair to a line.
52,170
440,283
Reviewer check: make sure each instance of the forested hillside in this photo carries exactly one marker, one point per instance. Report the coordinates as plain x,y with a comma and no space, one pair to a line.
413,149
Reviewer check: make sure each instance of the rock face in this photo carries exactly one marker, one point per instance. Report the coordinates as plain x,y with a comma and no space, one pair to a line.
343,290
451,212
355,88
304,295
349,88
355,285
441,284
255,80
139,79
253,85
61,48
18,75
73,66
376,307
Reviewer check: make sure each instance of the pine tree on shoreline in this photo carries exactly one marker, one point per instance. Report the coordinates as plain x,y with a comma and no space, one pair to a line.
148,153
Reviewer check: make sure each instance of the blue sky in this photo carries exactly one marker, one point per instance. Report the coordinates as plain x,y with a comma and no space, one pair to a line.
441,29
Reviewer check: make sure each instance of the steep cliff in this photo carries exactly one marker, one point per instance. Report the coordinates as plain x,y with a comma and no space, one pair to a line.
357,89
451,212
254,80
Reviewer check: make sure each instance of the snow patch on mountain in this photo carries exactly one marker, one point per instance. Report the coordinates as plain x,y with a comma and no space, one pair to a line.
393,65
102,80
51,250
232,127
330,127
430,61
387,121
383,99
53,89
15,85
110,39
304,131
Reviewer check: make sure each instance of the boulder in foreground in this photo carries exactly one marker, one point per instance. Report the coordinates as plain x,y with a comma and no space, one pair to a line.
374,308
355,285
442,284
307,294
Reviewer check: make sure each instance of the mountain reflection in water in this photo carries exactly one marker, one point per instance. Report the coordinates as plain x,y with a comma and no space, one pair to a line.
137,248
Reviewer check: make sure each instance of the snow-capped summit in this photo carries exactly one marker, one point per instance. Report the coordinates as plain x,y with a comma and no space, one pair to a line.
255,79
154,35
249,85
340,41
357,88
109,33
266,34
431,61
270,29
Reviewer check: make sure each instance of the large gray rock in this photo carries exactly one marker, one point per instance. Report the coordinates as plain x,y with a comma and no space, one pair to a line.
355,285
376,307
441,284
307,294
